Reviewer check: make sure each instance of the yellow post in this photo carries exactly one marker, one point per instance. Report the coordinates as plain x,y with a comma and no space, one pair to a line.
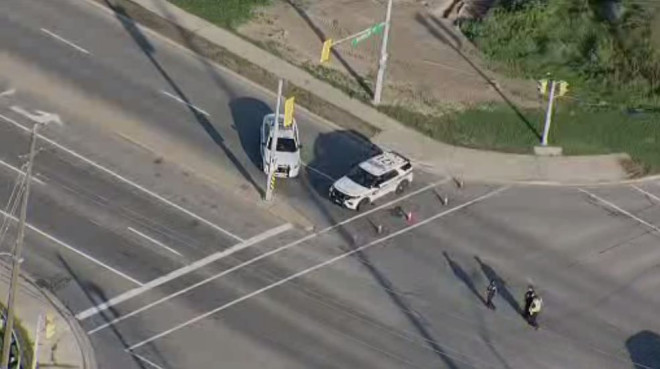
543,87
563,88
288,111
325,53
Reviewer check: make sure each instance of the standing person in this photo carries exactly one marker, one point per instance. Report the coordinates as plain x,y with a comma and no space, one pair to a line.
534,310
491,291
529,297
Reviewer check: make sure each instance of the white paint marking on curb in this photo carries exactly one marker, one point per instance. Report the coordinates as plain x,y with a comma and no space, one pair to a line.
181,271
178,99
620,210
255,259
62,39
125,180
153,240
147,361
654,197
313,268
71,248
17,170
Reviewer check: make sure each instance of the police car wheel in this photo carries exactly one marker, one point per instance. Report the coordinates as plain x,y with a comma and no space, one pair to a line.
402,187
362,204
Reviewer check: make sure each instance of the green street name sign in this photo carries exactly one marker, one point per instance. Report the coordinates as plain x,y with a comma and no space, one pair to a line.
368,33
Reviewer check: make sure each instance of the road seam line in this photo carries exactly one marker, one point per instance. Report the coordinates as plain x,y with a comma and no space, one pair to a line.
17,170
155,241
620,210
62,39
178,99
255,259
73,249
126,180
313,268
182,271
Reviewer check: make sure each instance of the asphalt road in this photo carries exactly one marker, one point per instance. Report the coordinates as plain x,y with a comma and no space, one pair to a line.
148,209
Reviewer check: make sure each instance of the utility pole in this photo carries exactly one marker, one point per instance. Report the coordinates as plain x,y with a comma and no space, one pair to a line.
272,164
548,114
16,259
383,56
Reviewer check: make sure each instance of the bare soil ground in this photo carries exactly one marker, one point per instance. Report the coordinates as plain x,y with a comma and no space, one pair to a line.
432,66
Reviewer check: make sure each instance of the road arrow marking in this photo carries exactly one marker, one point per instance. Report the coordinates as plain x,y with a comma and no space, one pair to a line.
7,93
41,116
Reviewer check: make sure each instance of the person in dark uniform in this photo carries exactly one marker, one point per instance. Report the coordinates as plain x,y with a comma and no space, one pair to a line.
534,311
491,291
529,297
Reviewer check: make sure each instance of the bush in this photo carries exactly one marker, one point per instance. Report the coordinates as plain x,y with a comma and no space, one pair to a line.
603,59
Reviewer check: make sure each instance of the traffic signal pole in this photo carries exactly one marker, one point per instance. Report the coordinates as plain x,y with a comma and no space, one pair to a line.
16,258
548,114
383,56
272,162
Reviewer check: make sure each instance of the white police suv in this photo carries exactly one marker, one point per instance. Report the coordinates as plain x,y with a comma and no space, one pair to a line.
372,179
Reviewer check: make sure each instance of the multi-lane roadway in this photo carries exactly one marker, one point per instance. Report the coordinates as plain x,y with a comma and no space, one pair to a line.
145,218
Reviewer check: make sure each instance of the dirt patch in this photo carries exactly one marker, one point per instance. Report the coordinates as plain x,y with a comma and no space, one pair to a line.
432,65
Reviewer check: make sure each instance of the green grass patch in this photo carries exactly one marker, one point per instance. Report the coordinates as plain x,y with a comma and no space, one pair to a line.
225,13
580,130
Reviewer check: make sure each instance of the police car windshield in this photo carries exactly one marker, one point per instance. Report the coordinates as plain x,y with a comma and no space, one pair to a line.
362,177
285,145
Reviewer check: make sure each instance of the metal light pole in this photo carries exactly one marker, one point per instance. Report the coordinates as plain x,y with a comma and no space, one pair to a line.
16,259
272,164
548,114
383,56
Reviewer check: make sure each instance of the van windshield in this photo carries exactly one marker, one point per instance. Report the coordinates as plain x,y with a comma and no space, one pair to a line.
362,177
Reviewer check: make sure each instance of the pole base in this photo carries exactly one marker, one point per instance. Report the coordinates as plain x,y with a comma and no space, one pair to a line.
547,150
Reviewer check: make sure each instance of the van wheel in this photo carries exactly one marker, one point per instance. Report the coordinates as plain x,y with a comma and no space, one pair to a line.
402,187
362,204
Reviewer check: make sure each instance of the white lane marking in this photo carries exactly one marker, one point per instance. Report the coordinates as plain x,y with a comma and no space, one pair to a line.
62,39
153,240
125,180
17,170
654,197
315,267
620,210
145,360
181,271
8,92
39,116
185,103
251,261
72,249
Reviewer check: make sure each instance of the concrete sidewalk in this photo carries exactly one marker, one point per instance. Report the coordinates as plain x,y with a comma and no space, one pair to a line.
433,155
69,347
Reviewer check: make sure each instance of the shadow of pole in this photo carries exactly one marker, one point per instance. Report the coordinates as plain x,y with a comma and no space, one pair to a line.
321,35
461,274
148,50
95,295
490,274
424,20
